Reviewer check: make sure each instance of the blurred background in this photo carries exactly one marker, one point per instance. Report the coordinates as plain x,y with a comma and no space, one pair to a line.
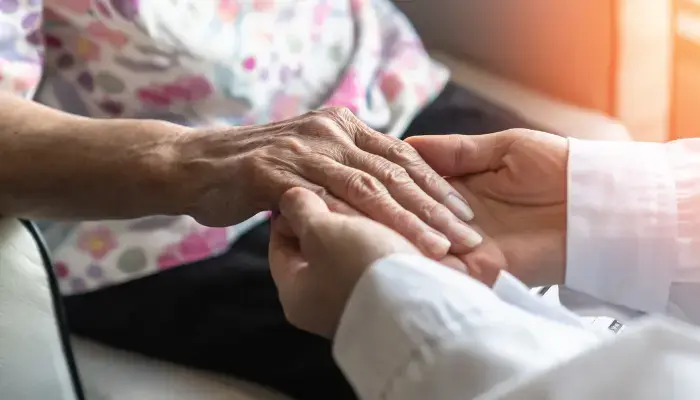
637,61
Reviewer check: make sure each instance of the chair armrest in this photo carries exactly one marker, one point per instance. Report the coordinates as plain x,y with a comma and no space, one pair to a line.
540,110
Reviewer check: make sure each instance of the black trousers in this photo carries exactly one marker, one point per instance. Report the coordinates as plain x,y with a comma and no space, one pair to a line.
223,314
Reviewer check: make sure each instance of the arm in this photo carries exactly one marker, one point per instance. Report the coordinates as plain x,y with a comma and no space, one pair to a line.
56,165
633,226
416,331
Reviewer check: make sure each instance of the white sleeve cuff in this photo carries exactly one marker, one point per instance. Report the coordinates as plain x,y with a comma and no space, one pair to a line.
621,223
412,323
400,304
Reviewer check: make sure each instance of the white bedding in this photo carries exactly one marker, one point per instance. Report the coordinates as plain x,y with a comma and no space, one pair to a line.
109,374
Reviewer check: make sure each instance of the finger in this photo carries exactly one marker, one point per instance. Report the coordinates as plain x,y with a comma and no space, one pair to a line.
366,194
455,155
300,207
407,193
431,182
485,263
287,181
454,263
284,256
282,225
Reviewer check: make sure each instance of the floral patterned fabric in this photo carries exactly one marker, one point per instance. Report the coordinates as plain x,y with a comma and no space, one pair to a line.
203,62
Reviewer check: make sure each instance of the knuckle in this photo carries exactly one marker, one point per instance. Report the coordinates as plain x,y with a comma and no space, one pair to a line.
402,152
364,187
320,191
295,144
465,149
432,181
394,175
317,113
345,119
320,126
403,221
341,113
431,210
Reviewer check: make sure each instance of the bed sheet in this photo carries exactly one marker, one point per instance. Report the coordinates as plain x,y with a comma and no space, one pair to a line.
110,374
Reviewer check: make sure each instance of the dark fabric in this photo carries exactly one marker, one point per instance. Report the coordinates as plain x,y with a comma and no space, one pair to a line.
223,314
457,110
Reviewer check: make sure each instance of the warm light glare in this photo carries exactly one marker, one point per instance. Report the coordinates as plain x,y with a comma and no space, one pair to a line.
688,25
685,118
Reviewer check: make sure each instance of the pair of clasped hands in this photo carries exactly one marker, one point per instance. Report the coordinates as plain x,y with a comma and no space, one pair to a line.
514,183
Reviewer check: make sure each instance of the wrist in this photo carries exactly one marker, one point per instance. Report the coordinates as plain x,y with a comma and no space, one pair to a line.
200,162
167,184
126,169
61,166
139,160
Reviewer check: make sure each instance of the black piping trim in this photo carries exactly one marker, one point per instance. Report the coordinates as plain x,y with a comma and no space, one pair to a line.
59,312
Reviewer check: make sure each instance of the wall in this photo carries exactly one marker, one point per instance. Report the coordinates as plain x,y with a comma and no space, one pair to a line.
563,48
612,56
643,83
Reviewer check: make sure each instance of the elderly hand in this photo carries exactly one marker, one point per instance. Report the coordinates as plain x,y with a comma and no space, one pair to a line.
354,169
516,183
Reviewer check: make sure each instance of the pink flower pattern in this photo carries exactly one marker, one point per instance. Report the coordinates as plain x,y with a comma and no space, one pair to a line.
347,93
228,10
170,257
285,106
78,6
61,269
97,242
185,89
100,31
87,50
391,86
193,247
263,5
184,82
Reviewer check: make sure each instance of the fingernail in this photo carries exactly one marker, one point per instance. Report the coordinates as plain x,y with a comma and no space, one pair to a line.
466,234
434,244
459,207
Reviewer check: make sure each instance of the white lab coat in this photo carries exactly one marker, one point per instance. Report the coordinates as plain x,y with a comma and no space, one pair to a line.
415,330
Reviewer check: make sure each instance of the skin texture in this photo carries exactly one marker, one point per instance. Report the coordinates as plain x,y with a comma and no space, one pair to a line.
317,256
516,182
60,166
354,169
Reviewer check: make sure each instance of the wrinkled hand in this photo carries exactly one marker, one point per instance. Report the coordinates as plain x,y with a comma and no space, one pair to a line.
317,257
515,182
354,169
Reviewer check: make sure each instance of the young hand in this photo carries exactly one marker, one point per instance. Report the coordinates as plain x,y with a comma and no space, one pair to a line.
516,182
317,257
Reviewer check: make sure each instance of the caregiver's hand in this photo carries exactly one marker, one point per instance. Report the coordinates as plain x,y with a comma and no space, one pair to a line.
330,152
516,183
317,266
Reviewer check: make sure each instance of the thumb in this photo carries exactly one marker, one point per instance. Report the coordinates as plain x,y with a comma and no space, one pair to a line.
299,206
456,155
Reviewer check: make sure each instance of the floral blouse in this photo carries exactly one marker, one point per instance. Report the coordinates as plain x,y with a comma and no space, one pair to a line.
202,62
